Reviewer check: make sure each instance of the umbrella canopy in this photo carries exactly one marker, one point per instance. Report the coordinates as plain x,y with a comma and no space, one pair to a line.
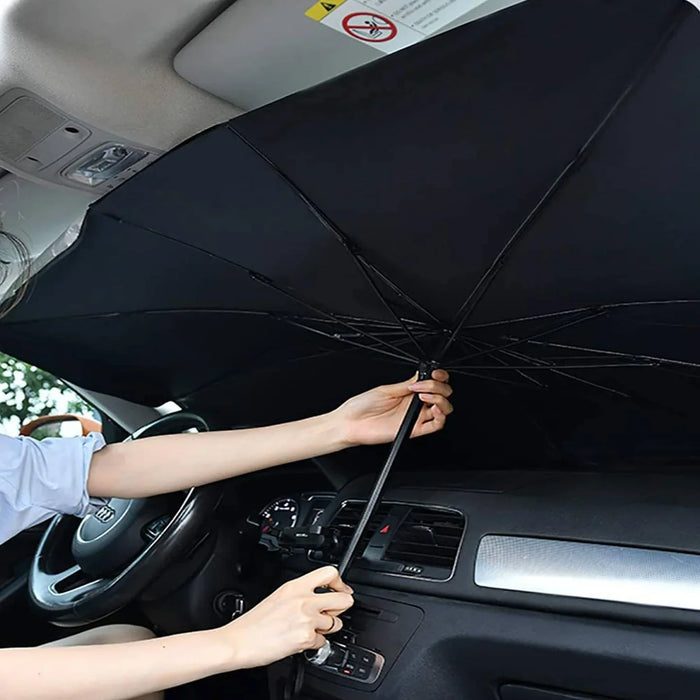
516,198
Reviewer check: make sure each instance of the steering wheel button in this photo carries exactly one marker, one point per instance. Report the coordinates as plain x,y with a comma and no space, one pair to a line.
155,528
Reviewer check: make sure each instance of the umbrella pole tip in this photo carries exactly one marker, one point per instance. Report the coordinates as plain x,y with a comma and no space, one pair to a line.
426,368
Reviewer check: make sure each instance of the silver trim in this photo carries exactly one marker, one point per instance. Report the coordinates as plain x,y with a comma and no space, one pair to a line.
379,662
104,514
622,574
412,505
310,498
72,591
318,657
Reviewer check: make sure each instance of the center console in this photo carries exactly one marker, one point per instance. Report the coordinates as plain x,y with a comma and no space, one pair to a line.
375,631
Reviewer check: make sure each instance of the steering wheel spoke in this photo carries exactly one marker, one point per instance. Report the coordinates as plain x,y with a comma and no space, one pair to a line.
72,582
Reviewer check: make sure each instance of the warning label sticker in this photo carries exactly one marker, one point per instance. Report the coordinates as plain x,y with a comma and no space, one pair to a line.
355,19
367,26
390,25
321,9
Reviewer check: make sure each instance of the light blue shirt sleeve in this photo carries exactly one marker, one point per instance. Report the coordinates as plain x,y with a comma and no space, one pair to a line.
39,479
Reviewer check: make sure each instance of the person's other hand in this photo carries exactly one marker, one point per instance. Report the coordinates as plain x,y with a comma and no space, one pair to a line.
374,417
290,620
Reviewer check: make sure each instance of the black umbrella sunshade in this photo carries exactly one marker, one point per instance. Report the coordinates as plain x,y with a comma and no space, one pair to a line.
515,200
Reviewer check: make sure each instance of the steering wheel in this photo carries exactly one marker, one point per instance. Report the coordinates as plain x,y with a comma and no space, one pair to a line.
117,551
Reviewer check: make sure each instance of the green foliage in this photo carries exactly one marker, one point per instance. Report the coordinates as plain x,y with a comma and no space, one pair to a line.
27,392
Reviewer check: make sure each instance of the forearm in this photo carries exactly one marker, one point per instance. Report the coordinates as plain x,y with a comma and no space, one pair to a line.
172,462
111,671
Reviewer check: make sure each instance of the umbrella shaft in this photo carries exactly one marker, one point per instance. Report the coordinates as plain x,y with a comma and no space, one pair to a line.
403,434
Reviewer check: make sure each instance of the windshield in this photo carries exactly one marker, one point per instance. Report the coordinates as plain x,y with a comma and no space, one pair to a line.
46,219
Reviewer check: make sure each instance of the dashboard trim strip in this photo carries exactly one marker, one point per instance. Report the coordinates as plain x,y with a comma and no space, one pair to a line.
616,573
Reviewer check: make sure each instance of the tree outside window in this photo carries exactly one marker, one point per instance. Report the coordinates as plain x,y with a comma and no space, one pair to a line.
27,392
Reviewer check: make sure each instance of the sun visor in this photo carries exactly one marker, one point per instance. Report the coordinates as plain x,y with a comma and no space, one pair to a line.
255,52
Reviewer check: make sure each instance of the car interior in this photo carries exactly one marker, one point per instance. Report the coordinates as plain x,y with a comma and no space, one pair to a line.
544,546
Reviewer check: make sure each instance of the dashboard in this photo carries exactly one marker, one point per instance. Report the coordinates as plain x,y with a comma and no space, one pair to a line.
415,540
487,585
453,575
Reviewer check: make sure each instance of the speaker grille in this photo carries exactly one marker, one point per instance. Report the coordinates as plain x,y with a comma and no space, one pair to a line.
23,124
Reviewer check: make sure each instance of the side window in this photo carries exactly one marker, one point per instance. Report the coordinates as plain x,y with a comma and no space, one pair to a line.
37,403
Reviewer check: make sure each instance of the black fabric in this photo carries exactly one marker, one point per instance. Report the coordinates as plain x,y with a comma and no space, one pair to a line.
532,176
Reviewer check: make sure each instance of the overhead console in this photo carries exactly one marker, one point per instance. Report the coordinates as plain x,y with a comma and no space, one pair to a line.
40,141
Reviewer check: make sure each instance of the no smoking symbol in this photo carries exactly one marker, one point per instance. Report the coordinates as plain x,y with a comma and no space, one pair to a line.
366,26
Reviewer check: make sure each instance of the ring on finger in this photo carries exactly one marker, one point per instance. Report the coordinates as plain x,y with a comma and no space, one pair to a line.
334,624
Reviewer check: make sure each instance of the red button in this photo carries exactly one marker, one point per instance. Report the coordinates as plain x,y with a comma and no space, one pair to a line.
384,530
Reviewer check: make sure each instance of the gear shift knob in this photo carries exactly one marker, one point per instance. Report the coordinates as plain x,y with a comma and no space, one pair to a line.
318,657
328,655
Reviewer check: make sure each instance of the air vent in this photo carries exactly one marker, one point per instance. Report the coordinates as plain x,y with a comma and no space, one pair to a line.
428,538
346,520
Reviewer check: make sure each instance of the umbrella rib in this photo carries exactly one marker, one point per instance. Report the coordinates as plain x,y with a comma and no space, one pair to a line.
595,385
637,356
137,312
538,363
365,272
491,273
557,370
541,334
300,358
655,363
475,345
268,282
290,320
258,277
580,309
379,324
517,356
350,246
551,366
384,328
338,337
400,292
486,377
